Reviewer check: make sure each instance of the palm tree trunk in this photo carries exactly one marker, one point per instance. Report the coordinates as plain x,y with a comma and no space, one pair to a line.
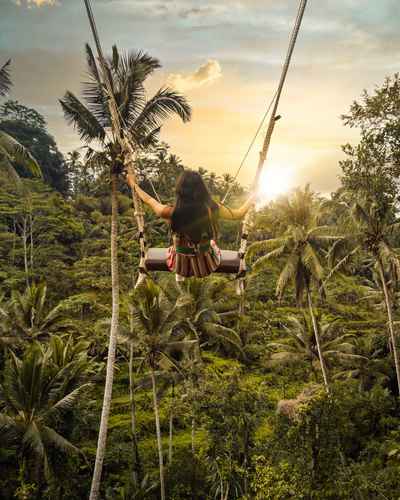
171,425
194,477
14,243
158,432
137,468
390,322
313,371
227,492
24,241
317,339
101,443
31,240
193,435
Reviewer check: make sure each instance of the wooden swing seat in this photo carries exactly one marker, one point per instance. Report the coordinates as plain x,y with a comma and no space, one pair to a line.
156,260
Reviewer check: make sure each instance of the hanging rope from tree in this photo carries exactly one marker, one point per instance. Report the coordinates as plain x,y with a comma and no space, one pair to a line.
264,151
119,131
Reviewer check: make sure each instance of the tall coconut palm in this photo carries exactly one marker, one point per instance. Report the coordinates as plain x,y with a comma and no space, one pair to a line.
11,151
371,233
159,340
300,343
299,253
34,396
141,120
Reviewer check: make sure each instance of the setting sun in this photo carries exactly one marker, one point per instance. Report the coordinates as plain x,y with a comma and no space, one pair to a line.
274,181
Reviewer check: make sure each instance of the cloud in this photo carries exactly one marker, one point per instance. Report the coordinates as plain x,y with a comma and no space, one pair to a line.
38,3
207,73
195,11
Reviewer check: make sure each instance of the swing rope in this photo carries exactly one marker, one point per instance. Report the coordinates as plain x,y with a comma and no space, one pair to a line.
118,128
264,151
231,185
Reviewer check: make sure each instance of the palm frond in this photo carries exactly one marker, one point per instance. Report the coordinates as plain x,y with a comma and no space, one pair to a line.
226,334
132,70
66,402
265,260
265,246
312,263
287,357
150,139
138,63
283,346
56,440
287,274
342,263
83,120
14,151
8,170
33,439
181,345
5,80
164,104
95,92
336,250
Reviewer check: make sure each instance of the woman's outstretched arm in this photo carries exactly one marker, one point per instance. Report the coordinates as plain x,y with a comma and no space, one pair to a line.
236,213
157,207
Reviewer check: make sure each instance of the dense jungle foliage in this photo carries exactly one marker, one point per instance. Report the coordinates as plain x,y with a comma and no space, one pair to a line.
298,398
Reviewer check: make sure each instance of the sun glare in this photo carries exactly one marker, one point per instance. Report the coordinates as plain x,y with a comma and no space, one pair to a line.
274,181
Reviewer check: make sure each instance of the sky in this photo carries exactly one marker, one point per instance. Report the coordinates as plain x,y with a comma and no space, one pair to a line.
226,57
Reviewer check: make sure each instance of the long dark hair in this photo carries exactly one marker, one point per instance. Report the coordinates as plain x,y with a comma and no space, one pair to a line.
195,213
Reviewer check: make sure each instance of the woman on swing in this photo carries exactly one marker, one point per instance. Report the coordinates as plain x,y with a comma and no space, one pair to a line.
194,225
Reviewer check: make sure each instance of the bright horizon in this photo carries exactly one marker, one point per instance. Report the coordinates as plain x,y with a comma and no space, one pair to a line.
226,57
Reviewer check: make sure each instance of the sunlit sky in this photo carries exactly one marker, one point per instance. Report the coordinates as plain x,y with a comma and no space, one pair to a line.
226,56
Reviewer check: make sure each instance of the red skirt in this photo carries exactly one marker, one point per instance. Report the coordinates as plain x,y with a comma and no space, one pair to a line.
198,264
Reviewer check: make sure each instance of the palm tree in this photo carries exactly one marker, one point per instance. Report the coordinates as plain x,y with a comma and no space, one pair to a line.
369,366
34,396
299,253
11,151
160,341
141,120
27,315
300,343
202,306
371,232
64,351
